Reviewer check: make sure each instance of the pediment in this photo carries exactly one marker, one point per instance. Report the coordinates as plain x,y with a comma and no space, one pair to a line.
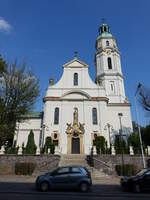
75,95
75,63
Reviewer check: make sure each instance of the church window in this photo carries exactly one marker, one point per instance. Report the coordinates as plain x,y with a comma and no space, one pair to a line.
109,63
56,116
105,29
94,115
112,87
107,43
75,79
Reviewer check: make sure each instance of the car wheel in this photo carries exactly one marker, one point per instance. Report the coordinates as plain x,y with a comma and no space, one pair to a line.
44,186
84,187
137,188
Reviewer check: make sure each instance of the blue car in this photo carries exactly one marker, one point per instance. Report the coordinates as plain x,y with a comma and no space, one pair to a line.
69,177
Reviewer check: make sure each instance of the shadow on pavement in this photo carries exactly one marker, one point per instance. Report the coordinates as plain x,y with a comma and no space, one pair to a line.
22,187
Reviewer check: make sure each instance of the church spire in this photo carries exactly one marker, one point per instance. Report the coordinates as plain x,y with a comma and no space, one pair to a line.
75,54
104,30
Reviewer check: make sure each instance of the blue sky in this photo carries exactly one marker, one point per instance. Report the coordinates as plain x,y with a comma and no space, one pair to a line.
45,34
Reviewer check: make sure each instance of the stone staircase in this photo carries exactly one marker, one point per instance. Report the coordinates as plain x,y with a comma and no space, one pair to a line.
49,163
80,159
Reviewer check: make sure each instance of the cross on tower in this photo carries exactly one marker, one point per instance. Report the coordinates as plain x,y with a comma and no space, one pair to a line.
75,54
103,20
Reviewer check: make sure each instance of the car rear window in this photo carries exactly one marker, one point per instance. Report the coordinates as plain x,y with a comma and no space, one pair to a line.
76,170
84,170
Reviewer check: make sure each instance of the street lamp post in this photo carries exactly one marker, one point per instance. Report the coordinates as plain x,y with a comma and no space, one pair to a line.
110,127
139,128
43,134
120,134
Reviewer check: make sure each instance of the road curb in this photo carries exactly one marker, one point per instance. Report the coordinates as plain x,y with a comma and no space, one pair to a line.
77,194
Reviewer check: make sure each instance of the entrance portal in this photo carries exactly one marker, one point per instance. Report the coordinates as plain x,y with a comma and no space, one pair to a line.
76,145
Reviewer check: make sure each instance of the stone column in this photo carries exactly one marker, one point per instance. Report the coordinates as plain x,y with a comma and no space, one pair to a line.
113,152
2,151
57,150
94,150
69,144
38,151
81,144
131,150
20,150
148,150
48,151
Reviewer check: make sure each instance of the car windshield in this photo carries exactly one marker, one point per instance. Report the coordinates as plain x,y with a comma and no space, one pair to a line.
140,173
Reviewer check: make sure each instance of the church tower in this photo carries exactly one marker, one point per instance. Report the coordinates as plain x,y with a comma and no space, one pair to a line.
108,66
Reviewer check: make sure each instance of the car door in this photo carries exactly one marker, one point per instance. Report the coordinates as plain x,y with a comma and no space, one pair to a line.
75,176
60,178
146,181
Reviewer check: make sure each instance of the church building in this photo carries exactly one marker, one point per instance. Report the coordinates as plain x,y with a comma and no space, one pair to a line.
76,109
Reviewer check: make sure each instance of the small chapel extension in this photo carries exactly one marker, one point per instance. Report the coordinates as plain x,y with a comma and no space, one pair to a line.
76,109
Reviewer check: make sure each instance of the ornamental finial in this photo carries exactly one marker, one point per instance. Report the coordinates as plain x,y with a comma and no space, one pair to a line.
103,20
75,54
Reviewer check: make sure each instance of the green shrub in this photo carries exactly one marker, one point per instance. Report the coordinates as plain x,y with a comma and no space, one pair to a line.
11,150
125,170
31,147
49,145
22,168
120,145
101,144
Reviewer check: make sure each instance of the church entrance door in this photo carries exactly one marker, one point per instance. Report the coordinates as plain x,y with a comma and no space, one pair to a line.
76,145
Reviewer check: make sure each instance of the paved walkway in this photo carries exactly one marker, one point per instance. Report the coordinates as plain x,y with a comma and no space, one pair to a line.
108,180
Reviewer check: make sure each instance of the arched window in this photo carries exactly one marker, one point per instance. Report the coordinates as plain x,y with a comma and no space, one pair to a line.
75,79
112,87
109,63
56,116
107,43
94,115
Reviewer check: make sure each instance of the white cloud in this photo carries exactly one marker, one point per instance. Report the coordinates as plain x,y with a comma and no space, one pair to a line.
4,25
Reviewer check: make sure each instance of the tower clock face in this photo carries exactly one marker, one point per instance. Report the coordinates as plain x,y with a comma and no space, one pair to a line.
108,52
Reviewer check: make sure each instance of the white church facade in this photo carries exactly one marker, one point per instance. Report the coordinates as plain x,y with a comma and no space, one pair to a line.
76,109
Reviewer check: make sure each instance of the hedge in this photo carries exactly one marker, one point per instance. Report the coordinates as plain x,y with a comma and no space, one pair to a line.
125,170
24,168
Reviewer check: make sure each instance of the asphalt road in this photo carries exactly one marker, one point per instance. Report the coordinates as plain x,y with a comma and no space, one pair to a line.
23,191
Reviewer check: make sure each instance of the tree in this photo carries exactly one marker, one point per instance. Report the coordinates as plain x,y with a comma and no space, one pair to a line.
3,66
144,97
145,131
49,145
134,140
101,144
120,145
30,147
19,90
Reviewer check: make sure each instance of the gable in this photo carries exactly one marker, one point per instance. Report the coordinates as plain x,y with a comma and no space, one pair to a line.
75,63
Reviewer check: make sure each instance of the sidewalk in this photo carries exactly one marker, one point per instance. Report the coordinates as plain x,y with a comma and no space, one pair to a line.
109,180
